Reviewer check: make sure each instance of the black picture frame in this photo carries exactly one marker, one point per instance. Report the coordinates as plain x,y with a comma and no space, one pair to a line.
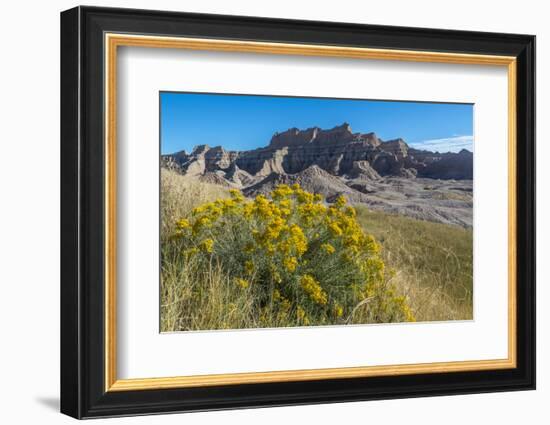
83,392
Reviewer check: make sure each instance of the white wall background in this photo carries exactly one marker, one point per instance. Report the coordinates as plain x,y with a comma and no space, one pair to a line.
29,213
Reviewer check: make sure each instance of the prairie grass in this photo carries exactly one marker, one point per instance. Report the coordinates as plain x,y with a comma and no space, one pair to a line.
179,195
431,263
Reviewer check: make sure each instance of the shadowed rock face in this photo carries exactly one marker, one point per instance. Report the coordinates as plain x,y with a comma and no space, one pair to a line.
338,161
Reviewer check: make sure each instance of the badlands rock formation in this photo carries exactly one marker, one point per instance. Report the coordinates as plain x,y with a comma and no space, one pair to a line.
386,175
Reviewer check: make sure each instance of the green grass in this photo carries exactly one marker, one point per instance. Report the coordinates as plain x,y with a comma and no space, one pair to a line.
433,263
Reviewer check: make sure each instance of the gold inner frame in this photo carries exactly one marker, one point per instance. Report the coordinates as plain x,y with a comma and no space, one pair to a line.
113,41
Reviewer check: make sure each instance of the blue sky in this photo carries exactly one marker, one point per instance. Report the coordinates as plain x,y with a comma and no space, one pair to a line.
243,122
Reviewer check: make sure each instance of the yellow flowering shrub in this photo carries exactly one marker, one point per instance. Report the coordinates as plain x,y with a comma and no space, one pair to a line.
298,259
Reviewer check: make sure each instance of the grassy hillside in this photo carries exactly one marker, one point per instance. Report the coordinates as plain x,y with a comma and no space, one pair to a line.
433,263
428,264
178,197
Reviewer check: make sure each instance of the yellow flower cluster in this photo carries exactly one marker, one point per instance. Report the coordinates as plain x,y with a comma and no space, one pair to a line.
302,316
281,192
335,228
312,288
207,245
328,248
236,195
290,263
183,224
201,223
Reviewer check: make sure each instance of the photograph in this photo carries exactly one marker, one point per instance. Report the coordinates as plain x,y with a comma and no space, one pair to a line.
281,212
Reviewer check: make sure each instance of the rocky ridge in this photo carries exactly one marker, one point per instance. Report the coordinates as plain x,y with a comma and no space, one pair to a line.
387,175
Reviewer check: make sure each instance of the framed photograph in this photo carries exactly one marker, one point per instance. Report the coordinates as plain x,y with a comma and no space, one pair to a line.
261,212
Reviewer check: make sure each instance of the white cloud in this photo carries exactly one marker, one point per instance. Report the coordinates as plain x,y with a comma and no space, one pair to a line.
447,144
